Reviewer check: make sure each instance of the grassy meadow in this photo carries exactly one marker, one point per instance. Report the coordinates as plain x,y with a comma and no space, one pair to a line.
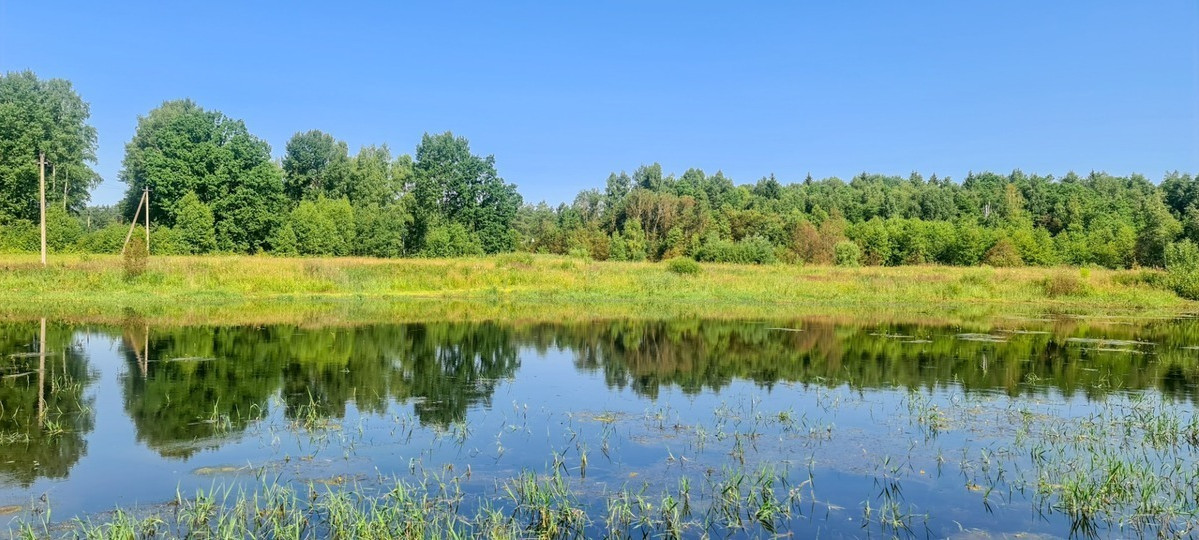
262,289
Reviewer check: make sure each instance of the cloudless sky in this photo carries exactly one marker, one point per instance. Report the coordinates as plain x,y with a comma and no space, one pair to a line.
562,93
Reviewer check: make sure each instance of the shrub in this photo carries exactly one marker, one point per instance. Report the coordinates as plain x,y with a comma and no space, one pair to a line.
1034,246
106,240
596,242
683,266
752,250
846,253
62,230
451,240
757,250
323,227
20,235
168,241
136,257
1182,255
579,253
1003,254
1182,269
1064,284
1184,284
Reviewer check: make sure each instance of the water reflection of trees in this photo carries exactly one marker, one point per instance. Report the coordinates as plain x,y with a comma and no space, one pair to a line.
695,355
45,414
188,387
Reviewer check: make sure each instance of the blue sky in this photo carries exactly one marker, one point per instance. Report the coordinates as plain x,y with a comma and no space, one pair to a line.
562,93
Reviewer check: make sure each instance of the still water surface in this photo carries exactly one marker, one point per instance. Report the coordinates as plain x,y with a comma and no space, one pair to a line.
865,428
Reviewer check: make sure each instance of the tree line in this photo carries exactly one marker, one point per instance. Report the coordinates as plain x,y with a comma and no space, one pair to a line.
215,188
998,219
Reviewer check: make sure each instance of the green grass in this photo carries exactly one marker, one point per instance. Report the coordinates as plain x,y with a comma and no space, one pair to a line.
262,289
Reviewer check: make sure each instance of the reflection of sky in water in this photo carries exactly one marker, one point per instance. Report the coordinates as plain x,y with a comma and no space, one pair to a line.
661,402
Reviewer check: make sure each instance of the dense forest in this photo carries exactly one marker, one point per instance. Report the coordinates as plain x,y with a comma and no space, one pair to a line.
216,188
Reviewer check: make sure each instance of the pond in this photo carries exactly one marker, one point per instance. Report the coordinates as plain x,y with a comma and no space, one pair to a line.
829,427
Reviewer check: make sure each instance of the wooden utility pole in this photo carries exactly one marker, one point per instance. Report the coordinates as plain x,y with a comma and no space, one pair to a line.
147,193
133,223
41,161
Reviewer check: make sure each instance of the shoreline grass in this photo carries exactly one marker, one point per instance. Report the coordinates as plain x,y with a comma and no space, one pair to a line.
257,289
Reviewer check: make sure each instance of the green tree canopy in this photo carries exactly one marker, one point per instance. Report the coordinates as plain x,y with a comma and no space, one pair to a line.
43,116
315,163
454,186
180,147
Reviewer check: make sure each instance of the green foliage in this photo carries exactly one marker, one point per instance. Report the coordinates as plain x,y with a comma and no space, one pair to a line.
1003,254
753,250
1035,246
136,256
683,266
106,240
1183,255
284,242
314,164
1098,219
875,241
451,240
195,225
20,235
580,253
973,241
452,185
674,245
372,181
1111,243
180,148
43,116
633,238
214,185
1182,268
1159,229
382,230
619,250
322,227
595,242
847,253
63,230
98,217
168,241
